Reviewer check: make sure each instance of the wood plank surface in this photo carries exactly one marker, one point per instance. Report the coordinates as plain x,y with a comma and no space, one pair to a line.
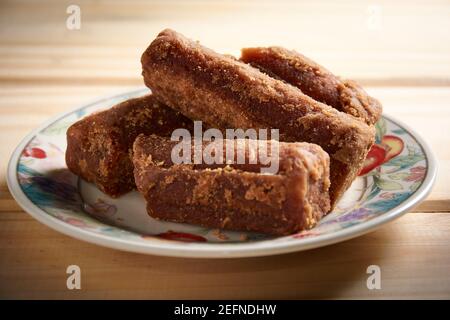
400,42
409,251
400,51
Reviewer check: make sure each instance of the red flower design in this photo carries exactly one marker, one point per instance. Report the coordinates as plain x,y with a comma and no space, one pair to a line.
181,236
75,222
35,153
416,174
304,234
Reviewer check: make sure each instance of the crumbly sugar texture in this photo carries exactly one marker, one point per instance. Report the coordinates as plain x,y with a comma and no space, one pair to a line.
227,93
235,196
98,145
315,81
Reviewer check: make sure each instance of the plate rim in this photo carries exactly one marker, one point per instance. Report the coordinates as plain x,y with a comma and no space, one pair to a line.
211,250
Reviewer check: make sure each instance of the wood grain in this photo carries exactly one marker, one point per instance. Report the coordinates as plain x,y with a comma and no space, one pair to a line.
408,44
409,252
399,50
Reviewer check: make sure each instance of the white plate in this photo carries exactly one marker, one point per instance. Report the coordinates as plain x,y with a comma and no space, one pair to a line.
43,186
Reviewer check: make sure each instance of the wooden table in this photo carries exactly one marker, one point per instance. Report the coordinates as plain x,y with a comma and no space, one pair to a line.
400,51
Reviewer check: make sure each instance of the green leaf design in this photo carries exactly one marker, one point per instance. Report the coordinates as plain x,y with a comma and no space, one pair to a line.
25,170
399,131
412,150
414,155
398,176
388,185
405,161
415,186
374,192
380,127
372,173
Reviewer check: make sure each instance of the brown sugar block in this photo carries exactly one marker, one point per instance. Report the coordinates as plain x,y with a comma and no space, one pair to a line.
227,93
315,81
98,145
235,196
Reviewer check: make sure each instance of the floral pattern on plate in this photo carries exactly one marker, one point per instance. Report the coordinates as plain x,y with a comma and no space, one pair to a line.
394,170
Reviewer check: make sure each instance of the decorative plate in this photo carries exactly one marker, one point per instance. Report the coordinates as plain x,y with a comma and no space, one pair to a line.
398,174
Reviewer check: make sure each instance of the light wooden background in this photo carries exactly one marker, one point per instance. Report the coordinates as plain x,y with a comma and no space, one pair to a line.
400,51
